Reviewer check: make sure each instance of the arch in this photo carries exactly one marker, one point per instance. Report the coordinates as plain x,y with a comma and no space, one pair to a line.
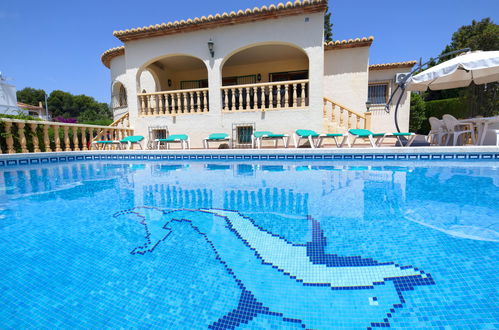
119,95
171,71
264,58
240,49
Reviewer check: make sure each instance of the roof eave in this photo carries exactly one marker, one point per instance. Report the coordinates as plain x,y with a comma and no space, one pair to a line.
210,22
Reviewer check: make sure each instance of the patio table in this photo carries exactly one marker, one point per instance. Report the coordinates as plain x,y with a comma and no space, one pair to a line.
482,124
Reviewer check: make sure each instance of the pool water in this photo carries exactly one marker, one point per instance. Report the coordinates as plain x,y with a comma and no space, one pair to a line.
250,245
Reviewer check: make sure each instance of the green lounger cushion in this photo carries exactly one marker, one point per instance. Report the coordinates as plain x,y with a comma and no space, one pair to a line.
133,139
267,134
306,133
105,142
402,134
360,132
332,135
218,136
174,138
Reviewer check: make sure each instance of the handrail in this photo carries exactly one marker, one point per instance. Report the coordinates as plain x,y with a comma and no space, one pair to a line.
121,120
287,82
175,91
358,114
51,123
336,117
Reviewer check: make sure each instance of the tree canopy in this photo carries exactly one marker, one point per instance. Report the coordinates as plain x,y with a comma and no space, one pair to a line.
63,104
480,99
328,26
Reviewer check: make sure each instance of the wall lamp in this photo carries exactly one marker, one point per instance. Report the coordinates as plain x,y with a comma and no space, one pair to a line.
211,47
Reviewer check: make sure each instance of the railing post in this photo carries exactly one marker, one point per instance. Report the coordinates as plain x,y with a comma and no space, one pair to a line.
367,121
191,99
333,108
324,109
255,98
271,97
295,103
8,138
233,100
156,104
198,101
67,143
185,106
83,131
286,96
226,99
278,88
205,101
240,98
302,95
36,143
76,143
46,139
167,106
22,137
161,108
341,117
142,105
57,139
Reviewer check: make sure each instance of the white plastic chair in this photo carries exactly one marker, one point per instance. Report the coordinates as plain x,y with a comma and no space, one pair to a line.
457,129
438,131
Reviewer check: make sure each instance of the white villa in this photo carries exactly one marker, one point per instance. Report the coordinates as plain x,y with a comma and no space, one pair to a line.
264,69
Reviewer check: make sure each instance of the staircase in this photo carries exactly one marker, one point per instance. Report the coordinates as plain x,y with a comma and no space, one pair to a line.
123,125
339,119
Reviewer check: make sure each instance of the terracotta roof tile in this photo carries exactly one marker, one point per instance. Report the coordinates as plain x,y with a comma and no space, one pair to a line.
109,54
211,21
350,43
395,65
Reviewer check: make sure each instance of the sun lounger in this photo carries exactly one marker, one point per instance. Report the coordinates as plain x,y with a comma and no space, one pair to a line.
183,139
217,137
131,140
259,136
104,144
367,134
335,137
305,134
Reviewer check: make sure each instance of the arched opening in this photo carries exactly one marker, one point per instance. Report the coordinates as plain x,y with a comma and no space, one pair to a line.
119,96
265,76
173,84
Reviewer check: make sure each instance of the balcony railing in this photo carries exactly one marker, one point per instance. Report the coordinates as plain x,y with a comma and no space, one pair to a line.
22,136
281,95
173,103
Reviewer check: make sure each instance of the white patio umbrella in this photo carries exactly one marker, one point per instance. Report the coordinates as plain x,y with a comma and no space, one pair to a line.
478,66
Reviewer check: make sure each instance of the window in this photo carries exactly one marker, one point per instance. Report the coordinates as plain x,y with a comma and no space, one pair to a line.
377,93
194,84
286,76
33,113
122,101
239,80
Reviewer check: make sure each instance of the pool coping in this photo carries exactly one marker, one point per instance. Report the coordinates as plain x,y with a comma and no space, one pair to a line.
386,153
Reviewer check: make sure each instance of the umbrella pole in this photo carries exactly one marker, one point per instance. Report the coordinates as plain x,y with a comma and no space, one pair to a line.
402,84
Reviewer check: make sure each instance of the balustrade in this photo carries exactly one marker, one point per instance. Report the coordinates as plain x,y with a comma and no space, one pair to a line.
343,116
23,136
291,94
172,103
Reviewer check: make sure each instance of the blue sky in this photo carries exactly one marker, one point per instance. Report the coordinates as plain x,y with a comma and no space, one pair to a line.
57,44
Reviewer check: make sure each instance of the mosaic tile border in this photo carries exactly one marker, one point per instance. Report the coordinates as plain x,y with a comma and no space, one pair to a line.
250,157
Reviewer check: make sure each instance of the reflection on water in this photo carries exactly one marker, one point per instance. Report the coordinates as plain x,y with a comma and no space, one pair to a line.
457,200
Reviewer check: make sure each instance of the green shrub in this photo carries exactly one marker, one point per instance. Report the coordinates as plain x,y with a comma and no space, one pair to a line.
455,106
417,114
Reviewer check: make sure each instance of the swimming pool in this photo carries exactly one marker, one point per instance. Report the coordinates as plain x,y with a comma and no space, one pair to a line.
249,244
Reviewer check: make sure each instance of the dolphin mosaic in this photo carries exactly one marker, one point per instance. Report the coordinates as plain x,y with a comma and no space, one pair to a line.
297,283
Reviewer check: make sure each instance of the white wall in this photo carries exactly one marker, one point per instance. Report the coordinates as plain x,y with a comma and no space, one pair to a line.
118,75
346,77
381,120
294,30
